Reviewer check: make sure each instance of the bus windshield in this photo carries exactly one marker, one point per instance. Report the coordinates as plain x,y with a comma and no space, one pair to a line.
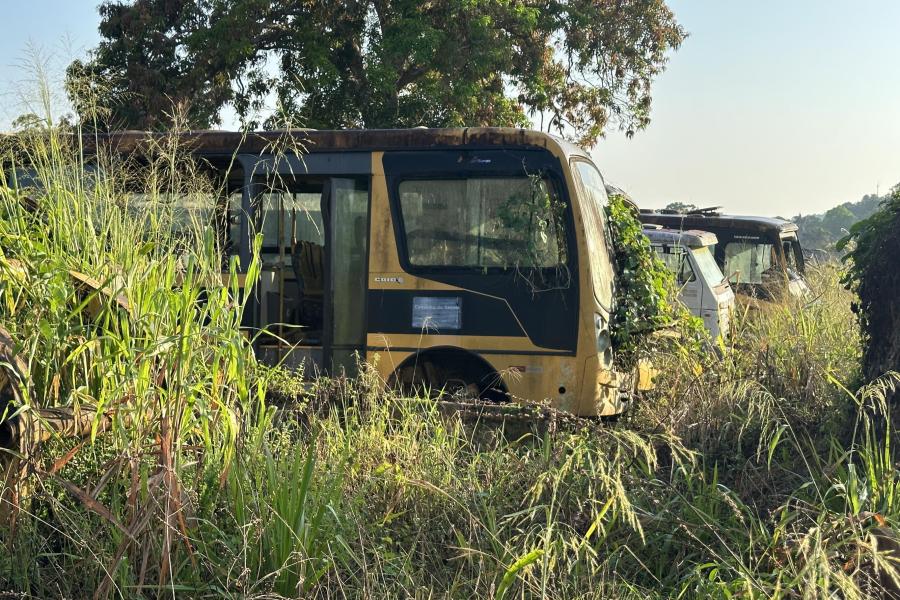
506,222
749,262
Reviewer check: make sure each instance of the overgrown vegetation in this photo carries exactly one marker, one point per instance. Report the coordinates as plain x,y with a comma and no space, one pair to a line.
762,474
646,292
873,246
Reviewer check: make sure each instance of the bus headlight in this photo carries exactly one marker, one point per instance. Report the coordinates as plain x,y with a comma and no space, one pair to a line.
601,331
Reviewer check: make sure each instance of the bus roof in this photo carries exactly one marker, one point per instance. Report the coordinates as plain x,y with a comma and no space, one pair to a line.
692,238
315,140
705,220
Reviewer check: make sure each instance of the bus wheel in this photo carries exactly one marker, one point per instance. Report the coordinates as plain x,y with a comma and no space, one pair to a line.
449,374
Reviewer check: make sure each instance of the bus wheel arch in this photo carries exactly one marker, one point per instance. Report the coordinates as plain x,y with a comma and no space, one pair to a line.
455,370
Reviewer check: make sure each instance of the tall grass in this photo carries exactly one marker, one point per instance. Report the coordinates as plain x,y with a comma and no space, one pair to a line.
164,370
767,472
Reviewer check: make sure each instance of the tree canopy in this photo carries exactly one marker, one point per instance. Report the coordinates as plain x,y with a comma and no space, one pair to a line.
682,207
575,67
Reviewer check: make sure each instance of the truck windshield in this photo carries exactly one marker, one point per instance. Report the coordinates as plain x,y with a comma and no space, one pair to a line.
676,260
709,270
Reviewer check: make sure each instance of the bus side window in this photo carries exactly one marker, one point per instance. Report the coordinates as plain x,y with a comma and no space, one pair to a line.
685,270
791,260
483,222
798,255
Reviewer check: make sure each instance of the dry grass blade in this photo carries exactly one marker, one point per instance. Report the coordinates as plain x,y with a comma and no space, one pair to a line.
87,500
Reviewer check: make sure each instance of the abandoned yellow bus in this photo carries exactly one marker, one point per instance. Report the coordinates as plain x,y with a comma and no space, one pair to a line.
473,261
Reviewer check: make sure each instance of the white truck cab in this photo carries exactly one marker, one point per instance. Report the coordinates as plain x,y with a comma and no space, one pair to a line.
704,290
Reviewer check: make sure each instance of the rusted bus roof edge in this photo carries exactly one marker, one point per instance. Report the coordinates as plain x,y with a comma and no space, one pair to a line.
311,140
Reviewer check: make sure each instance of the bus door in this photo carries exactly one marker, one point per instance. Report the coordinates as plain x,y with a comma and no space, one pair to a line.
288,301
311,297
346,202
309,306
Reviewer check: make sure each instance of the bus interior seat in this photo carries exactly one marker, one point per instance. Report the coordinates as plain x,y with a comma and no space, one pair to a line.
308,262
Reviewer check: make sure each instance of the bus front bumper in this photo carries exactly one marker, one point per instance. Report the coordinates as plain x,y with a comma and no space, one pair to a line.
611,392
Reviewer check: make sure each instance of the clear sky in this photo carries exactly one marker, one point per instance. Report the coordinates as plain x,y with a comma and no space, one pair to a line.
770,106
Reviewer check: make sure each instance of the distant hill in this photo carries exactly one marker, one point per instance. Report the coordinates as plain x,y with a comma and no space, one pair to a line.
821,231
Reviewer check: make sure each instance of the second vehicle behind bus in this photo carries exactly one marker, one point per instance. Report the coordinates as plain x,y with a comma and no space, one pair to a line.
760,256
703,289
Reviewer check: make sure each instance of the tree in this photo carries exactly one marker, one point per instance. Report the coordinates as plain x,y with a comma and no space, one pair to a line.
681,207
838,220
822,231
574,66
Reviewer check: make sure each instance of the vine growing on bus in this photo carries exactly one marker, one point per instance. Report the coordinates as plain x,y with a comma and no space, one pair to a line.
646,292
531,220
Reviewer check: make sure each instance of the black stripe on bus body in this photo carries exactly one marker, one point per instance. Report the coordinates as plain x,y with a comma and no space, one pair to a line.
474,351
549,317
391,311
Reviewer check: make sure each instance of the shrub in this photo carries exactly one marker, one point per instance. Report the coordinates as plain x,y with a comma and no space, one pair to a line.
872,248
